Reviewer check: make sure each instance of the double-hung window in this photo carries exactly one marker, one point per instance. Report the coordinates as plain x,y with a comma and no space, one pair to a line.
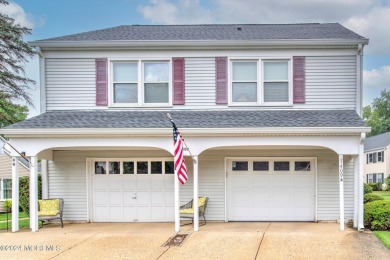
140,83
261,82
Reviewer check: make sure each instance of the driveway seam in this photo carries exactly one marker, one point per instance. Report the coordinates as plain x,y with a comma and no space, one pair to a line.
261,241
73,246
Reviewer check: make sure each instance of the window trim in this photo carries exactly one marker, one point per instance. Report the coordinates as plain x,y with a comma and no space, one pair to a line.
141,83
260,81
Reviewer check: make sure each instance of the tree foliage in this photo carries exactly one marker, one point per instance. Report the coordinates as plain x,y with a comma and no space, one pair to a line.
377,115
14,52
11,113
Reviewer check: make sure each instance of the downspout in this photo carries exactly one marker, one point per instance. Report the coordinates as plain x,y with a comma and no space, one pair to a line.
359,80
42,84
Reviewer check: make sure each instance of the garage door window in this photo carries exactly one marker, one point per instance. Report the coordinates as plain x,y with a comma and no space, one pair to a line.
261,166
239,166
169,167
156,168
142,167
281,166
302,166
128,167
100,167
114,168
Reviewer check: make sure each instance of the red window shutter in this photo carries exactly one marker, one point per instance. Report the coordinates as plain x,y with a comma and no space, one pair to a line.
178,69
221,80
299,79
101,82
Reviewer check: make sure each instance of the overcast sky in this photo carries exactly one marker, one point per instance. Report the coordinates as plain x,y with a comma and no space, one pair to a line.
369,18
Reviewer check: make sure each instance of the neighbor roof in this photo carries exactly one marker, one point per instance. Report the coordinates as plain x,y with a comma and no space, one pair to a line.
214,32
193,119
377,141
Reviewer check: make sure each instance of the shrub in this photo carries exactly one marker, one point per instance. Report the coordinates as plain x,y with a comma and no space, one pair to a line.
377,215
367,188
24,192
371,197
7,205
376,186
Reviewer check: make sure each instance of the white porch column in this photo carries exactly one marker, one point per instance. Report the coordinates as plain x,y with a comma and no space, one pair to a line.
177,203
34,194
15,194
45,186
341,191
356,175
361,183
195,202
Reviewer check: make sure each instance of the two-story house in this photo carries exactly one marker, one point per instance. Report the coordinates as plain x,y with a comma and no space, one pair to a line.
270,113
377,165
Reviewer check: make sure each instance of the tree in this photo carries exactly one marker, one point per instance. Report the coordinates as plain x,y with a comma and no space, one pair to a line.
377,115
11,113
14,85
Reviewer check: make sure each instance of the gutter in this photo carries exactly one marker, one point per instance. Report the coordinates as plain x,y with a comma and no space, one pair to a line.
201,132
196,43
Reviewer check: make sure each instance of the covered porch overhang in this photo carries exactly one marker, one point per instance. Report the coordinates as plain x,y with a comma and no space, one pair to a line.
41,144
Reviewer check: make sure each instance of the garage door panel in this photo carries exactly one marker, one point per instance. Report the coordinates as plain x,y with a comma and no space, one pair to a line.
158,213
241,212
115,182
262,213
101,197
281,181
240,196
143,182
303,197
143,198
115,198
101,213
280,197
303,181
157,182
169,198
115,213
129,213
128,198
129,182
169,182
261,181
302,213
157,198
144,213
281,212
261,196
170,213
100,182
239,181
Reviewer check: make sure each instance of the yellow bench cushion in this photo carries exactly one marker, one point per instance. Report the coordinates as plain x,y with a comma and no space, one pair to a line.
201,202
49,207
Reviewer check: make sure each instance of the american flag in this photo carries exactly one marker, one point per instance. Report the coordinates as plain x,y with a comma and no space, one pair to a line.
180,165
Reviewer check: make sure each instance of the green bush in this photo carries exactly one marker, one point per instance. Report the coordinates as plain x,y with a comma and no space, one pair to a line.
376,186
377,215
387,181
371,197
7,205
24,192
367,188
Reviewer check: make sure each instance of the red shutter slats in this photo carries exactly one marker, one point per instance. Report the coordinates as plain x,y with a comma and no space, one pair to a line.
221,80
178,70
101,82
299,79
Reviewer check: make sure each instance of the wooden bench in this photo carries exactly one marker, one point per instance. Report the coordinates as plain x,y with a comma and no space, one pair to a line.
50,209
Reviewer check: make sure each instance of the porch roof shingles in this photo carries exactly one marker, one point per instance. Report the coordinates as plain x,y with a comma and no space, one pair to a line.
215,32
193,119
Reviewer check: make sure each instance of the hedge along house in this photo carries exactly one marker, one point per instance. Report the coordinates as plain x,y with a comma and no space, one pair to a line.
271,114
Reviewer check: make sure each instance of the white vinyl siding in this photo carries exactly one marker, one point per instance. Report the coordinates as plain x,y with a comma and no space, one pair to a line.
70,84
200,82
330,83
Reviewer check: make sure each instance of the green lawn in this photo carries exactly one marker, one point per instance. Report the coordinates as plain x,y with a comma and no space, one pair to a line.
384,236
25,223
384,194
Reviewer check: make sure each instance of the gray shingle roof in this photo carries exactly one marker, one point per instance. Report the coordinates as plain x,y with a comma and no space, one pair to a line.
193,119
377,141
215,32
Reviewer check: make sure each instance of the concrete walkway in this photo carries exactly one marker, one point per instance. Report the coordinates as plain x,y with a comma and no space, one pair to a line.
234,240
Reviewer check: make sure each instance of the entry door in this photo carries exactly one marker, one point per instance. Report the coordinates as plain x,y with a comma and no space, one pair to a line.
133,191
271,189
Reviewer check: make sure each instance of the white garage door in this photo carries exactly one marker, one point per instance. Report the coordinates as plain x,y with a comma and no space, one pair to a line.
271,189
129,190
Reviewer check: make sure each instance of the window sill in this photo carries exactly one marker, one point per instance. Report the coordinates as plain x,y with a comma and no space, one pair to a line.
140,106
259,105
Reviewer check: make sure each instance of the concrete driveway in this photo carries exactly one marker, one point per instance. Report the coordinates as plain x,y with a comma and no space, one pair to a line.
234,240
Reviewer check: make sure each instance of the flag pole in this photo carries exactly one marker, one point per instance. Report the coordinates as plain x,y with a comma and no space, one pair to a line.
21,154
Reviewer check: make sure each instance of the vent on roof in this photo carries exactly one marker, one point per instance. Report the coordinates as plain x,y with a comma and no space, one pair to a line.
239,28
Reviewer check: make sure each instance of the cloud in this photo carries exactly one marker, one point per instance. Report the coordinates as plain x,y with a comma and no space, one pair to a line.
16,12
378,78
373,25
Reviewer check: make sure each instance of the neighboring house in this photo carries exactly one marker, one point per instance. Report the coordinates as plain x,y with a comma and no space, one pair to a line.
6,176
271,114
377,165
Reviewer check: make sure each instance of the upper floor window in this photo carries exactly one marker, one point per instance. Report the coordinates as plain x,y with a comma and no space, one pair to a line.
261,82
375,157
140,83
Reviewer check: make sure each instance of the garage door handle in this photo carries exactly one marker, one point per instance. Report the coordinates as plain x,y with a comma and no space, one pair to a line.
134,197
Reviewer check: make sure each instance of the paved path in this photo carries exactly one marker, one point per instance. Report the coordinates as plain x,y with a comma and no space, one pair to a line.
235,240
